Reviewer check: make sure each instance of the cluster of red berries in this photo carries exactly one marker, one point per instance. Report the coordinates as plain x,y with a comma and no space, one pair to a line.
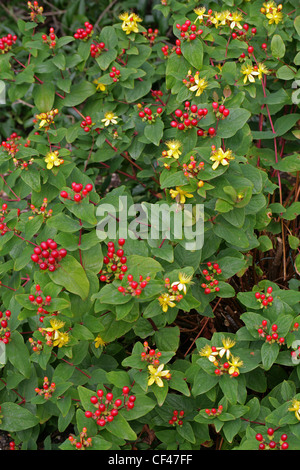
106,409
6,43
265,299
173,289
84,33
220,110
189,118
12,445
96,49
156,94
272,444
165,50
4,329
151,34
47,390
272,336
209,274
3,226
87,124
174,420
83,442
51,40
150,355
47,256
223,368
134,288
147,116
37,346
191,170
189,31
240,34
214,411
40,302
42,210
12,144
114,261
115,74
35,9
79,192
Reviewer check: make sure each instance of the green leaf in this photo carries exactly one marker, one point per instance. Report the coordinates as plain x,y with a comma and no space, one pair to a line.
154,132
106,58
71,276
167,339
277,46
186,432
193,52
18,355
229,387
269,353
120,427
79,93
286,73
16,418
235,121
44,96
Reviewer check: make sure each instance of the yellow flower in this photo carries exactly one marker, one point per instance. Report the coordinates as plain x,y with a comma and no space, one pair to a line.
61,339
236,18
99,85
99,342
156,373
262,69
207,351
129,24
296,407
52,160
248,71
180,194
275,16
166,301
200,84
219,18
225,350
110,118
173,146
200,14
55,325
269,6
219,156
184,280
235,363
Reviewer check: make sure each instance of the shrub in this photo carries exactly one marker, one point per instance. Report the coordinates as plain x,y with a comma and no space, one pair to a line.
158,331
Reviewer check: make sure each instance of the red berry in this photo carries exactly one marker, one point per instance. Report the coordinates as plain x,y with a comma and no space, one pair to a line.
270,431
250,49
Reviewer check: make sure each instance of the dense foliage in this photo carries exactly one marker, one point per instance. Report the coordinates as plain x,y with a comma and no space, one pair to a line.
148,338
